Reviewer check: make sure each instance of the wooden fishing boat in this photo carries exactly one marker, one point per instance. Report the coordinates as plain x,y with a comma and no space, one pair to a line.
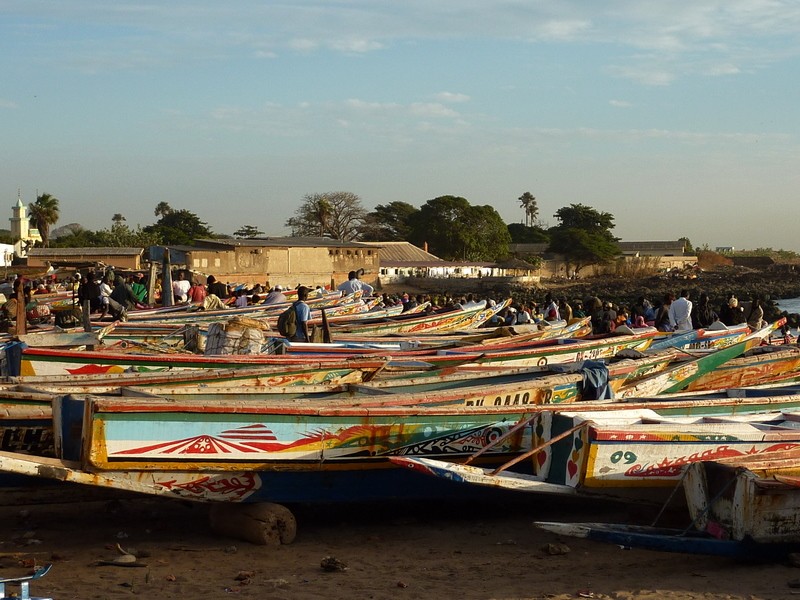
682,375
317,451
712,338
663,539
452,320
744,507
51,361
762,365
747,498
186,312
633,454
306,376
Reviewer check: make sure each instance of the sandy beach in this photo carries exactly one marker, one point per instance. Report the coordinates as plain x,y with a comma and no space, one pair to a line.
387,551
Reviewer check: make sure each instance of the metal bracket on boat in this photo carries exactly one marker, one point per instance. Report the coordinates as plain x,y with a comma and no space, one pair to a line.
24,584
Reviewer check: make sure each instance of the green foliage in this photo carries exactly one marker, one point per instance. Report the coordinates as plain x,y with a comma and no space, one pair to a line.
177,227
456,230
388,223
776,255
248,232
523,234
118,236
5,236
338,215
584,236
44,213
579,216
687,248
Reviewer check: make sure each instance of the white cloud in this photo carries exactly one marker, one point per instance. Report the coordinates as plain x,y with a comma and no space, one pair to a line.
741,35
303,44
356,45
620,103
431,109
7,104
452,97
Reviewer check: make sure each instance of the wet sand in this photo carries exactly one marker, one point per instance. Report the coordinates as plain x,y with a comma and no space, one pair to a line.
411,550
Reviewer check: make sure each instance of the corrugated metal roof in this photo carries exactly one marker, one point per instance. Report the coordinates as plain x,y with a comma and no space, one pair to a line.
66,252
280,242
676,246
403,252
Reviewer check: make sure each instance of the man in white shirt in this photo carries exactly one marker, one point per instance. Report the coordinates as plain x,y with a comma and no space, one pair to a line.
180,288
680,312
353,284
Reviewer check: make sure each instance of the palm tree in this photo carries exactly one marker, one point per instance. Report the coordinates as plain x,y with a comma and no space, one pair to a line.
44,213
528,203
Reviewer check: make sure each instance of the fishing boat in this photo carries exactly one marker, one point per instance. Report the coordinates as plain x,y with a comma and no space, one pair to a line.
62,361
684,374
321,450
743,506
633,453
747,498
715,337
761,365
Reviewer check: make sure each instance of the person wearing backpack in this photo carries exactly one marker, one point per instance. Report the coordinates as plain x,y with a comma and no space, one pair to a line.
293,322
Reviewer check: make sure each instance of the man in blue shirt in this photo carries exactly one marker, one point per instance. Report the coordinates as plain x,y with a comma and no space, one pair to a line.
303,313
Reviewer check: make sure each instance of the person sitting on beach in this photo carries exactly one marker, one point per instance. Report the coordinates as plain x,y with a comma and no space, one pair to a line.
121,300
241,299
197,293
524,315
216,288
180,288
276,296
139,288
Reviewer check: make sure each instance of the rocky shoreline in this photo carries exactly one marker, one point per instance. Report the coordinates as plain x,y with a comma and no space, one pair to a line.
746,284
779,282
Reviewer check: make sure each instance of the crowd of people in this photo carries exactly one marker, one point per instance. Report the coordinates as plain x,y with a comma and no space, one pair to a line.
670,313
114,294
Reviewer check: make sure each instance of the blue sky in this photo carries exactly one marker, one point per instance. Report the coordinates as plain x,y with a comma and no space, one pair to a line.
679,118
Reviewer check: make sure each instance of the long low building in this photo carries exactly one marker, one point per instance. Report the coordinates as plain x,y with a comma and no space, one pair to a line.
286,261
78,258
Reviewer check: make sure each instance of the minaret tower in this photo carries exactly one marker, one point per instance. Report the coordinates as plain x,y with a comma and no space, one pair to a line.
20,223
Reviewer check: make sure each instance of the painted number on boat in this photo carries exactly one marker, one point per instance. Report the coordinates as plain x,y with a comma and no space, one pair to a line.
507,400
628,457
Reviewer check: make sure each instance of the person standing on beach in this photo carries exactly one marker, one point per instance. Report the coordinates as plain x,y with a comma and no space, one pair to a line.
662,314
680,312
702,314
755,319
551,309
303,313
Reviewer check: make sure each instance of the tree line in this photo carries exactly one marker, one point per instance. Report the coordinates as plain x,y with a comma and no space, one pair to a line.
450,227
453,229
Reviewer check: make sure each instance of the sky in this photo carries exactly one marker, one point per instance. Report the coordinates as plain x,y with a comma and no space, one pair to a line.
680,118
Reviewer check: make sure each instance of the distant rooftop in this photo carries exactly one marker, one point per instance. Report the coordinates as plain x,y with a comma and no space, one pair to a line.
279,242
68,252
395,254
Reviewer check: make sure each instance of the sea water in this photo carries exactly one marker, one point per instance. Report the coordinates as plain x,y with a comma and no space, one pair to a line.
790,305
